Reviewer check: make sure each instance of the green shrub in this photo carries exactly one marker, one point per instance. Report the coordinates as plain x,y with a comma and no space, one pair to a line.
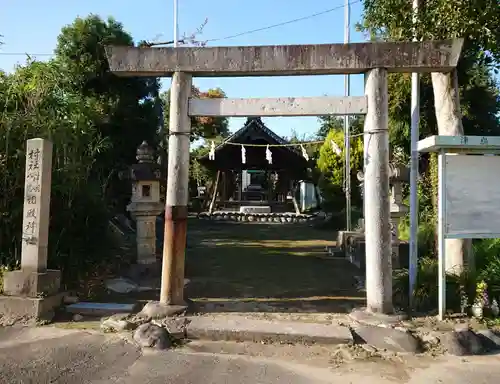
426,235
337,221
427,290
486,251
487,257
37,107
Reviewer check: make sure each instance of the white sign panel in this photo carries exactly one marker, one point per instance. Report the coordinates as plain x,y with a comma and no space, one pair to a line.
472,205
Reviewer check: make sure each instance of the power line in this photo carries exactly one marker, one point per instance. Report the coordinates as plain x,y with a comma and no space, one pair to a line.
25,54
283,23
220,38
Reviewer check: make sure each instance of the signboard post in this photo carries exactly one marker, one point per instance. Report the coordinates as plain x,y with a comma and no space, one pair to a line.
468,193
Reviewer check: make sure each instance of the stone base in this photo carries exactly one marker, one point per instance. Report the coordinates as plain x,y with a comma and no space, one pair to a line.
157,310
30,308
140,271
282,218
365,317
344,238
32,284
255,209
356,253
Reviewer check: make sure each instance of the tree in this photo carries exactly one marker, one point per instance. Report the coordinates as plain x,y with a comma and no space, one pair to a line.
209,127
35,104
125,110
331,167
477,21
202,127
327,123
95,121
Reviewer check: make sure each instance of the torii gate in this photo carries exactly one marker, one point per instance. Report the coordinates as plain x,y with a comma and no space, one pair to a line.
374,59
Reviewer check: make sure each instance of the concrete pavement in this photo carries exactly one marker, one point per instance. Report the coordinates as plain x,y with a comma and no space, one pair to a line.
51,355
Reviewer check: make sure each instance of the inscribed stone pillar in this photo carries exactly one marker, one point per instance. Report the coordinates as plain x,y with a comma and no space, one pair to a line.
33,291
37,185
377,206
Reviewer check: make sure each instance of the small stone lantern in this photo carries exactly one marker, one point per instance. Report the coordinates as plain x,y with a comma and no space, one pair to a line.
398,174
145,204
361,178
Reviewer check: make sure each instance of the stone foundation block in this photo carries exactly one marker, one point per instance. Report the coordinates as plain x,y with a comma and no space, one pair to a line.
30,308
32,284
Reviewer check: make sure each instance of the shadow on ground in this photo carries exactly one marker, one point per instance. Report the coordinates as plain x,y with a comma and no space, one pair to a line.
247,267
267,268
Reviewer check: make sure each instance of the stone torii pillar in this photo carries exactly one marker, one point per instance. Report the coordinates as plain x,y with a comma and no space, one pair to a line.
376,194
176,208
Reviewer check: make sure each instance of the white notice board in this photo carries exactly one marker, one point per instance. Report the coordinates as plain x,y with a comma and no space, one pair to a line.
472,203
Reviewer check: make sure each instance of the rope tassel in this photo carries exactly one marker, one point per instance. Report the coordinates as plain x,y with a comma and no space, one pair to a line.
243,155
335,148
211,154
269,155
304,152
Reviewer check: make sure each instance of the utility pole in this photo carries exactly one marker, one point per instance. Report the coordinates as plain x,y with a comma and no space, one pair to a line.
176,23
415,120
347,141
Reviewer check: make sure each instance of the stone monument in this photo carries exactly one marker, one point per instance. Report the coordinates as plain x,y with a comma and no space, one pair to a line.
145,204
33,291
352,243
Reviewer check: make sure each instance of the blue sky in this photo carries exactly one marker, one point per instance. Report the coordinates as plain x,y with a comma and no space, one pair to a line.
32,26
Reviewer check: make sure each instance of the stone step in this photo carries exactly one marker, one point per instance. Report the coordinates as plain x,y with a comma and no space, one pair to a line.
335,252
240,328
100,309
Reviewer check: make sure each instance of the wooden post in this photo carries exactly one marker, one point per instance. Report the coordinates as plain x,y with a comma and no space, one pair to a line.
376,184
294,198
240,186
223,195
172,282
269,188
214,193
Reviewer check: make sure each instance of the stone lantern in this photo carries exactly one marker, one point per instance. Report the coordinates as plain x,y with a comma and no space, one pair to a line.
145,204
398,174
361,178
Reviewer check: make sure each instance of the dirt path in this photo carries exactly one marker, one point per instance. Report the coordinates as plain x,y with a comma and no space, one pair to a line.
267,268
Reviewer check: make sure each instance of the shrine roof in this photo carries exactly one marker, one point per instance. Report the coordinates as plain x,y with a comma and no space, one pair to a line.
228,155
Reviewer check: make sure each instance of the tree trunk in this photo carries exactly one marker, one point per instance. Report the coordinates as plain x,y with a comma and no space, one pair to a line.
449,122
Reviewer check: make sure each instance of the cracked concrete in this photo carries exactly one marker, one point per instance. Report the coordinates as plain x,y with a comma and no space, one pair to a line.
47,354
